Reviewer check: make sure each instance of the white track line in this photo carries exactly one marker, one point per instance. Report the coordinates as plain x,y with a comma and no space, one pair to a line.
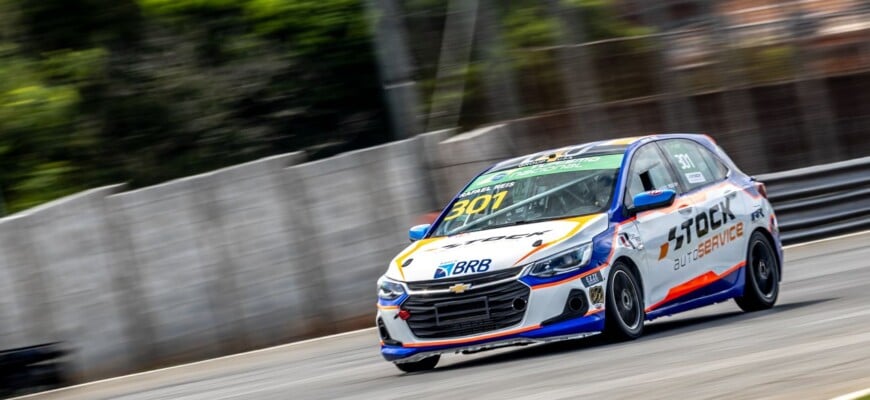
853,395
317,339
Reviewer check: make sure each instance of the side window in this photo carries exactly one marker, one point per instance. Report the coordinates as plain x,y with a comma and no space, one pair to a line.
648,171
694,164
715,164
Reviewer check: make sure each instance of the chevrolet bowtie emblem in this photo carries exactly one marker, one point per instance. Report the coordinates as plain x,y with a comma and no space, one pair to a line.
459,288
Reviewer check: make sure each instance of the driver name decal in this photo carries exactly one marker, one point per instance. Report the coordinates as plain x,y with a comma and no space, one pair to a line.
495,238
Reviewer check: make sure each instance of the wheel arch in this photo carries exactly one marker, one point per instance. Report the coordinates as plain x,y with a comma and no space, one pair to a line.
635,270
769,237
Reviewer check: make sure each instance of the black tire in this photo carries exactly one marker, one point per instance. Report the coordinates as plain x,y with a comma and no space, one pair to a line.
762,275
425,364
624,310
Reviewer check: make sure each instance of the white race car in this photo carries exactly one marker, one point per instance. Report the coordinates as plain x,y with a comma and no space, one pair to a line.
578,241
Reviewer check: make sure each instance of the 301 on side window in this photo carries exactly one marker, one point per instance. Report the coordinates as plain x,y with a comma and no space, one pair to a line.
685,161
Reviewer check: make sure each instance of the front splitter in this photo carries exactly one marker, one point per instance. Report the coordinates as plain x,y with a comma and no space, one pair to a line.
571,329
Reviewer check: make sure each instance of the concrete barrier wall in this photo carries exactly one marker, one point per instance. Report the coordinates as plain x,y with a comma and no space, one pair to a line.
240,258
170,239
19,293
258,251
56,273
360,205
214,272
70,251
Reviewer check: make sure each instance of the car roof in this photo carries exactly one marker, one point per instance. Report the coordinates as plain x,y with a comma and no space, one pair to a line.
610,146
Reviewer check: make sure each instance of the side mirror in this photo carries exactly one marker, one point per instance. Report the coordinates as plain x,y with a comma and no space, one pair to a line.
653,199
417,232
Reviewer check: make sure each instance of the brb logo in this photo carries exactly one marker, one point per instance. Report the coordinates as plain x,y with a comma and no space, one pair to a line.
462,267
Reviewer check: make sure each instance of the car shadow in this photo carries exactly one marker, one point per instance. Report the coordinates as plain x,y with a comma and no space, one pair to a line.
652,330
666,327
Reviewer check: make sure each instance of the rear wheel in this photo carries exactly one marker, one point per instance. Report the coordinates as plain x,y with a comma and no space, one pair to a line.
624,313
762,275
425,364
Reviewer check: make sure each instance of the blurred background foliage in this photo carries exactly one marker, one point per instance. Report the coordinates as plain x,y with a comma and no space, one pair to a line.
100,91
94,92
527,41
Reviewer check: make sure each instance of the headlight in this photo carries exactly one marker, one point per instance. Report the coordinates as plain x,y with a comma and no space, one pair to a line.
389,290
561,263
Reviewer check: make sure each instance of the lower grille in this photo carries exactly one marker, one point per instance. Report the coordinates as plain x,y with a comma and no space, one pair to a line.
476,311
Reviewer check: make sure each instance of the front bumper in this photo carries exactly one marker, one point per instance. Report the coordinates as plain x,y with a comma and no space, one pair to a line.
544,321
571,329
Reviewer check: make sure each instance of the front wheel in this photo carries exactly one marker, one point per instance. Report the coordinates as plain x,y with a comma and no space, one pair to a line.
425,364
762,275
624,313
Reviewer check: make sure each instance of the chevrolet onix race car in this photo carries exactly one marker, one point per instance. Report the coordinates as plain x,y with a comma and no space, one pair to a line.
578,241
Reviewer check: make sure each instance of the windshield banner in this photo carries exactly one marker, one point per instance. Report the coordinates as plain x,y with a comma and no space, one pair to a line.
612,161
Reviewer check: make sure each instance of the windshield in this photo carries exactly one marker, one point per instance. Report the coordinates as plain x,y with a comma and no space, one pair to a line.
533,193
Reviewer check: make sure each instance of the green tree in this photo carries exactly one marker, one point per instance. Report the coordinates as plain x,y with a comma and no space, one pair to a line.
94,92
103,91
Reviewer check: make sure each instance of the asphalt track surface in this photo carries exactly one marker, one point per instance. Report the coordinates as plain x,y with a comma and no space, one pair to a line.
815,344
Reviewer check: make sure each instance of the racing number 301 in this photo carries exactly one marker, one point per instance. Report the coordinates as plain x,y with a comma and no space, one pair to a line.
685,161
476,205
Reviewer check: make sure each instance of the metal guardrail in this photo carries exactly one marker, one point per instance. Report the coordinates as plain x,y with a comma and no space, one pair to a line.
31,369
820,201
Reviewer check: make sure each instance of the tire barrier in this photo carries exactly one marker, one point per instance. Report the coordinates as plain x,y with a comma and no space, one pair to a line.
31,369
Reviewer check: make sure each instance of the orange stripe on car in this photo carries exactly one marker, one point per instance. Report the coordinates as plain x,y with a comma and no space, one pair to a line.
694,284
474,339
663,250
380,307
581,222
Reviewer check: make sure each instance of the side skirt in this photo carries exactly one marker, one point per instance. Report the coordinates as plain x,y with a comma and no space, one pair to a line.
692,301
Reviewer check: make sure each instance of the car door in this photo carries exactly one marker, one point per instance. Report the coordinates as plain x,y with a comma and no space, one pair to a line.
650,171
714,231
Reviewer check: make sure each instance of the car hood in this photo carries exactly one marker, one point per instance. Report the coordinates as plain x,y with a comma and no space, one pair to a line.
493,249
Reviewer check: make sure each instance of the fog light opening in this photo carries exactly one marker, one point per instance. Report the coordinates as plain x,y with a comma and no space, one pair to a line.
575,304
519,304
